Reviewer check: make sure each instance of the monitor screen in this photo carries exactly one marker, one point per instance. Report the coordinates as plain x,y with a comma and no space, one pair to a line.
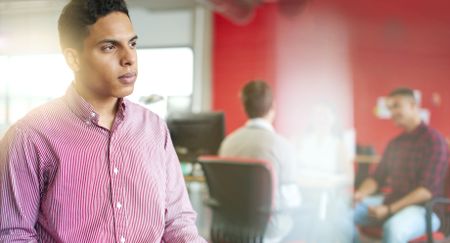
195,134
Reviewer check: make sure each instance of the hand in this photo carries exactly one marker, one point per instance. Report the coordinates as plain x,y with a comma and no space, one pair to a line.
379,212
357,197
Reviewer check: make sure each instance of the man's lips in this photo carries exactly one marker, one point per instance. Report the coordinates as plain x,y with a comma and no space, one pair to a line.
128,78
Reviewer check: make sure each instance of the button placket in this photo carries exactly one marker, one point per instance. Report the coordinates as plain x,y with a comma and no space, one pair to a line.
118,193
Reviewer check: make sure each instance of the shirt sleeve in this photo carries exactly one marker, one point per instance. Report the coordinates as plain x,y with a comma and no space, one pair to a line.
180,217
382,170
19,188
435,163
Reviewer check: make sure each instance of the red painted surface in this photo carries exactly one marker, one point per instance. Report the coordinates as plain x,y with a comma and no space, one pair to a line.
368,48
399,44
240,54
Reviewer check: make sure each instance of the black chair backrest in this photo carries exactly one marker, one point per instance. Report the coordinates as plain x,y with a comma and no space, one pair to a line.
241,192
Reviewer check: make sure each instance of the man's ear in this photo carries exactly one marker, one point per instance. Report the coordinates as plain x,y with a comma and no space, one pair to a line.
72,58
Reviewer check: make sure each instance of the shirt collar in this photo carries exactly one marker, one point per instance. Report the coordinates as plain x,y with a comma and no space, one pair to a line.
85,111
259,123
417,130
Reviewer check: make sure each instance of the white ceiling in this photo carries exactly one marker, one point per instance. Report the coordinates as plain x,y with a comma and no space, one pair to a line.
36,5
162,4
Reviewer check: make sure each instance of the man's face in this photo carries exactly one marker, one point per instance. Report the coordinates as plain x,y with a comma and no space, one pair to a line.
403,109
108,62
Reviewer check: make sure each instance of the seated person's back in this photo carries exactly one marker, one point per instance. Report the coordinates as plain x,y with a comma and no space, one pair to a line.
258,140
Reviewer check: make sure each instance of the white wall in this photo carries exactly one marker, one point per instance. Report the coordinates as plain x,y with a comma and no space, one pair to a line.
27,33
36,32
163,29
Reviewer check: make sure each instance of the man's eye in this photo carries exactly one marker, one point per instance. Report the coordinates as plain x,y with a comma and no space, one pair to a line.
133,44
108,48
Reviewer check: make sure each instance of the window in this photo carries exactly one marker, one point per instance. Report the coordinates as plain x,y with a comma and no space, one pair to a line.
167,73
31,80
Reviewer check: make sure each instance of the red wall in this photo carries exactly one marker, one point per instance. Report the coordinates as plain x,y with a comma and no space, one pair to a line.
240,54
381,46
399,44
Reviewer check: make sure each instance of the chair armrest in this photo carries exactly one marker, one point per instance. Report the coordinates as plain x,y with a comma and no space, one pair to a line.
429,211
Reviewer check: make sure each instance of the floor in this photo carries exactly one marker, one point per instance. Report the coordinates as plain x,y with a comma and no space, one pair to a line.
319,222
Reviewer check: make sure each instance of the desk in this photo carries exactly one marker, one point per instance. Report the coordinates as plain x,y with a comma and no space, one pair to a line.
326,187
192,178
367,159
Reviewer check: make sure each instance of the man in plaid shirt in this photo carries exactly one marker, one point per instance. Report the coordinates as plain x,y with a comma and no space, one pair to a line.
414,166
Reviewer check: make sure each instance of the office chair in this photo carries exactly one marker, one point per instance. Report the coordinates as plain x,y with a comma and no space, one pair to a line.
430,237
240,196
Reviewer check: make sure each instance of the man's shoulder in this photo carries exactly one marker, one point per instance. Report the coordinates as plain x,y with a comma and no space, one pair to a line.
257,137
142,116
432,135
256,134
140,110
48,112
38,120
235,135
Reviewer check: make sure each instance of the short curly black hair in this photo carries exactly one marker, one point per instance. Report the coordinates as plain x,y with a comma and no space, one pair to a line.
78,15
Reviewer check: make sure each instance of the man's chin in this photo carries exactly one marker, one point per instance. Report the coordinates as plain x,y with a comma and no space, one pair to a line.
125,93
399,124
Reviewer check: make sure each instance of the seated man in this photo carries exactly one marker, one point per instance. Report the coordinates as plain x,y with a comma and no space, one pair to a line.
415,163
258,140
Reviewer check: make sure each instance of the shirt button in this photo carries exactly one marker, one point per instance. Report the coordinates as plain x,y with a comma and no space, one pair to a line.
93,114
87,122
116,170
119,205
122,239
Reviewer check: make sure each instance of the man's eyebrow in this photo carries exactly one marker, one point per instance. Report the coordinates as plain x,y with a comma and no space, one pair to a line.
112,41
133,39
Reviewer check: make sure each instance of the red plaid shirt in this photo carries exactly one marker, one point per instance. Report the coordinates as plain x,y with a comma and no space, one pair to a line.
412,160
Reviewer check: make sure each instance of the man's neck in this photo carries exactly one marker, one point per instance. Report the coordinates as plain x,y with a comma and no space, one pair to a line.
415,122
106,108
107,112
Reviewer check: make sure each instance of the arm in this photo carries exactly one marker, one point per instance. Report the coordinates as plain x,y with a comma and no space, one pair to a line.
368,186
180,217
417,196
373,183
432,176
19,188
433,171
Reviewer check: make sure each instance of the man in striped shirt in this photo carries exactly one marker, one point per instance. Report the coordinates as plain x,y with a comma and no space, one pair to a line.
92,166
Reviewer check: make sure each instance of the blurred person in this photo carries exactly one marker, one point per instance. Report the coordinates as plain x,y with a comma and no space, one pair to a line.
324,174
322,151
257,139
414,166
92,166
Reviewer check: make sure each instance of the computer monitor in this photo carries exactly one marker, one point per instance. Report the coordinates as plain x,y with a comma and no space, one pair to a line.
195,134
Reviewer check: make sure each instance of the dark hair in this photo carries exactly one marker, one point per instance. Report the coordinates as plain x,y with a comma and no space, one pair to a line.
256,96
78,15
406,92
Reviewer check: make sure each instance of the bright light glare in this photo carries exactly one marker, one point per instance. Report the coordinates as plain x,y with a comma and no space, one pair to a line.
165,71
31,80
38,76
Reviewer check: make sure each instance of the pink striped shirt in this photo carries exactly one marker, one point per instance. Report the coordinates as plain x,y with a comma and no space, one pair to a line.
63,178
